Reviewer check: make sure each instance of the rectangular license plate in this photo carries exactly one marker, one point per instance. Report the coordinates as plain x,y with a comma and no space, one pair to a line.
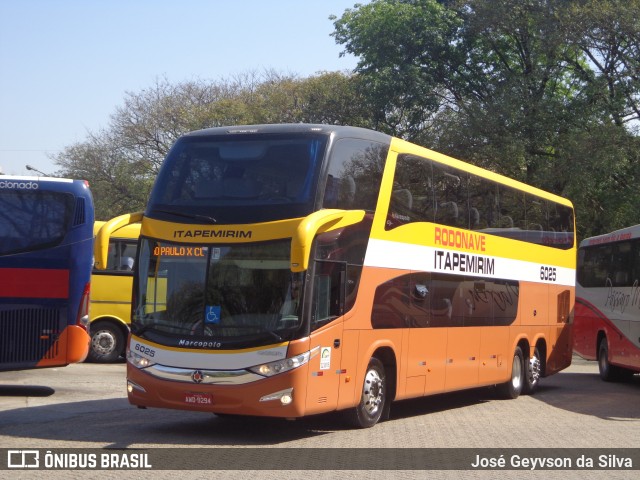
196,398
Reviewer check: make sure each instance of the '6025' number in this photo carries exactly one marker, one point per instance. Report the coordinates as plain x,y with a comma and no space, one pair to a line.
145,350
548,273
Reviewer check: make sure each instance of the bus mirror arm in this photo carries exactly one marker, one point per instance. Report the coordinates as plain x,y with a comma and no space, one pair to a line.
101,247
318,222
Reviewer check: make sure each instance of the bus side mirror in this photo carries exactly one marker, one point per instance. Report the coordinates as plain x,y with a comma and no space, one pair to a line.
101,245
318,222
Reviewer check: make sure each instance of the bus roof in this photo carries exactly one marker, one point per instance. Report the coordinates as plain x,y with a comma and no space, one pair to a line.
338,130
26,183
611,237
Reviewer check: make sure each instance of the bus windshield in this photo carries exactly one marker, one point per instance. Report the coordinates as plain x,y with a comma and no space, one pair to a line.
234,296
218,176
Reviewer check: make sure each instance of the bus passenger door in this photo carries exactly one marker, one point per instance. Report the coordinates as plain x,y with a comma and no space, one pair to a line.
327,308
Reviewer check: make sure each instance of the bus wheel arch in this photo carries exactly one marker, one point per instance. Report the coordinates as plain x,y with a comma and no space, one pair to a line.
108,338
378,390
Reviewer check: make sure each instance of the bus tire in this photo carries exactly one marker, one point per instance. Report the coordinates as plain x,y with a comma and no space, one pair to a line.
373,398
608,372
107,342
533,373
513,387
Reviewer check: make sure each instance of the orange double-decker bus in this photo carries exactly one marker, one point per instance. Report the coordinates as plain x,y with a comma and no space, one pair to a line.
290,270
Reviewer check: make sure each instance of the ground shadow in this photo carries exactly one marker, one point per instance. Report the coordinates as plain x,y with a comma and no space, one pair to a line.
588,394
25,391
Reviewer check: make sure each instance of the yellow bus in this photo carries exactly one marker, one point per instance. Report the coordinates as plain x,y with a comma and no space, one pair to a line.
110,308
290,270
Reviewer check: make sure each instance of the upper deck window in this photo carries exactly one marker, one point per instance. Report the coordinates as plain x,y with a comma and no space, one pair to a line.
220,177
429,191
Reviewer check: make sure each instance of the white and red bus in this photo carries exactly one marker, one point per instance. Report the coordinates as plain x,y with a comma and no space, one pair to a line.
607,312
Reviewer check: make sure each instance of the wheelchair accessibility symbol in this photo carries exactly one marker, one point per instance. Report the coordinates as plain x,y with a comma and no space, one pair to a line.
212,314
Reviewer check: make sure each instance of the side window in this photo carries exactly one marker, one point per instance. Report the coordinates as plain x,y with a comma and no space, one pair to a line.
622,265
450,191
510,208
328,292
412,198
561,224
122,255
483,201
592,265
429,191
423,300
339,258
354,175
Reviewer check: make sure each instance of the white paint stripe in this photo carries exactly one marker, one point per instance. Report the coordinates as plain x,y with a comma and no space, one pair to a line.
386,254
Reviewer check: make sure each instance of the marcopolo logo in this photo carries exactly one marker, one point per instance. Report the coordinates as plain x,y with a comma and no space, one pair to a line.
13,185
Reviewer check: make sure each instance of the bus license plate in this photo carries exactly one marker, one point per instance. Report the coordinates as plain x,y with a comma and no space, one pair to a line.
195,398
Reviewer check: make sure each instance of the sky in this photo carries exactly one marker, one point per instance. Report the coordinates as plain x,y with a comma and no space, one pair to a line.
66,65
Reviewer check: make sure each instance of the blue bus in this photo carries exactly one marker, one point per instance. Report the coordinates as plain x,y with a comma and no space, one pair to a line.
46,244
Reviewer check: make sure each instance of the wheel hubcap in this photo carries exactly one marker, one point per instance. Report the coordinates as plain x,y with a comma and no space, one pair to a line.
372,393
534,370
103,343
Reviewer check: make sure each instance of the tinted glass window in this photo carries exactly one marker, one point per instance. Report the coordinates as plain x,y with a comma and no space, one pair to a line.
238,179
354,174
427,191
31,220
609,265
426,300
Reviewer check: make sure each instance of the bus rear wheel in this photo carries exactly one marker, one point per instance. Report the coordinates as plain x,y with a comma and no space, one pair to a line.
107,342
533,373
608,372
373,399
513,387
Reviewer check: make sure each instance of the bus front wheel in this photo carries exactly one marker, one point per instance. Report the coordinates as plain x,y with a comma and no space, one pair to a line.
513,387
107,342
373,398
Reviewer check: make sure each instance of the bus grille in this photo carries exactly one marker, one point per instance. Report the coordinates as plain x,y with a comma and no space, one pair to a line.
27,335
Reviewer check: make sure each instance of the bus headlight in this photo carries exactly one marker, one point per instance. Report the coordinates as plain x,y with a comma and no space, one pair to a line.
285,396
280,366
138,360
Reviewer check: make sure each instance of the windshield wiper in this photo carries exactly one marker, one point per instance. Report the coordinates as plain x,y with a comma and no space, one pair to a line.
192,216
